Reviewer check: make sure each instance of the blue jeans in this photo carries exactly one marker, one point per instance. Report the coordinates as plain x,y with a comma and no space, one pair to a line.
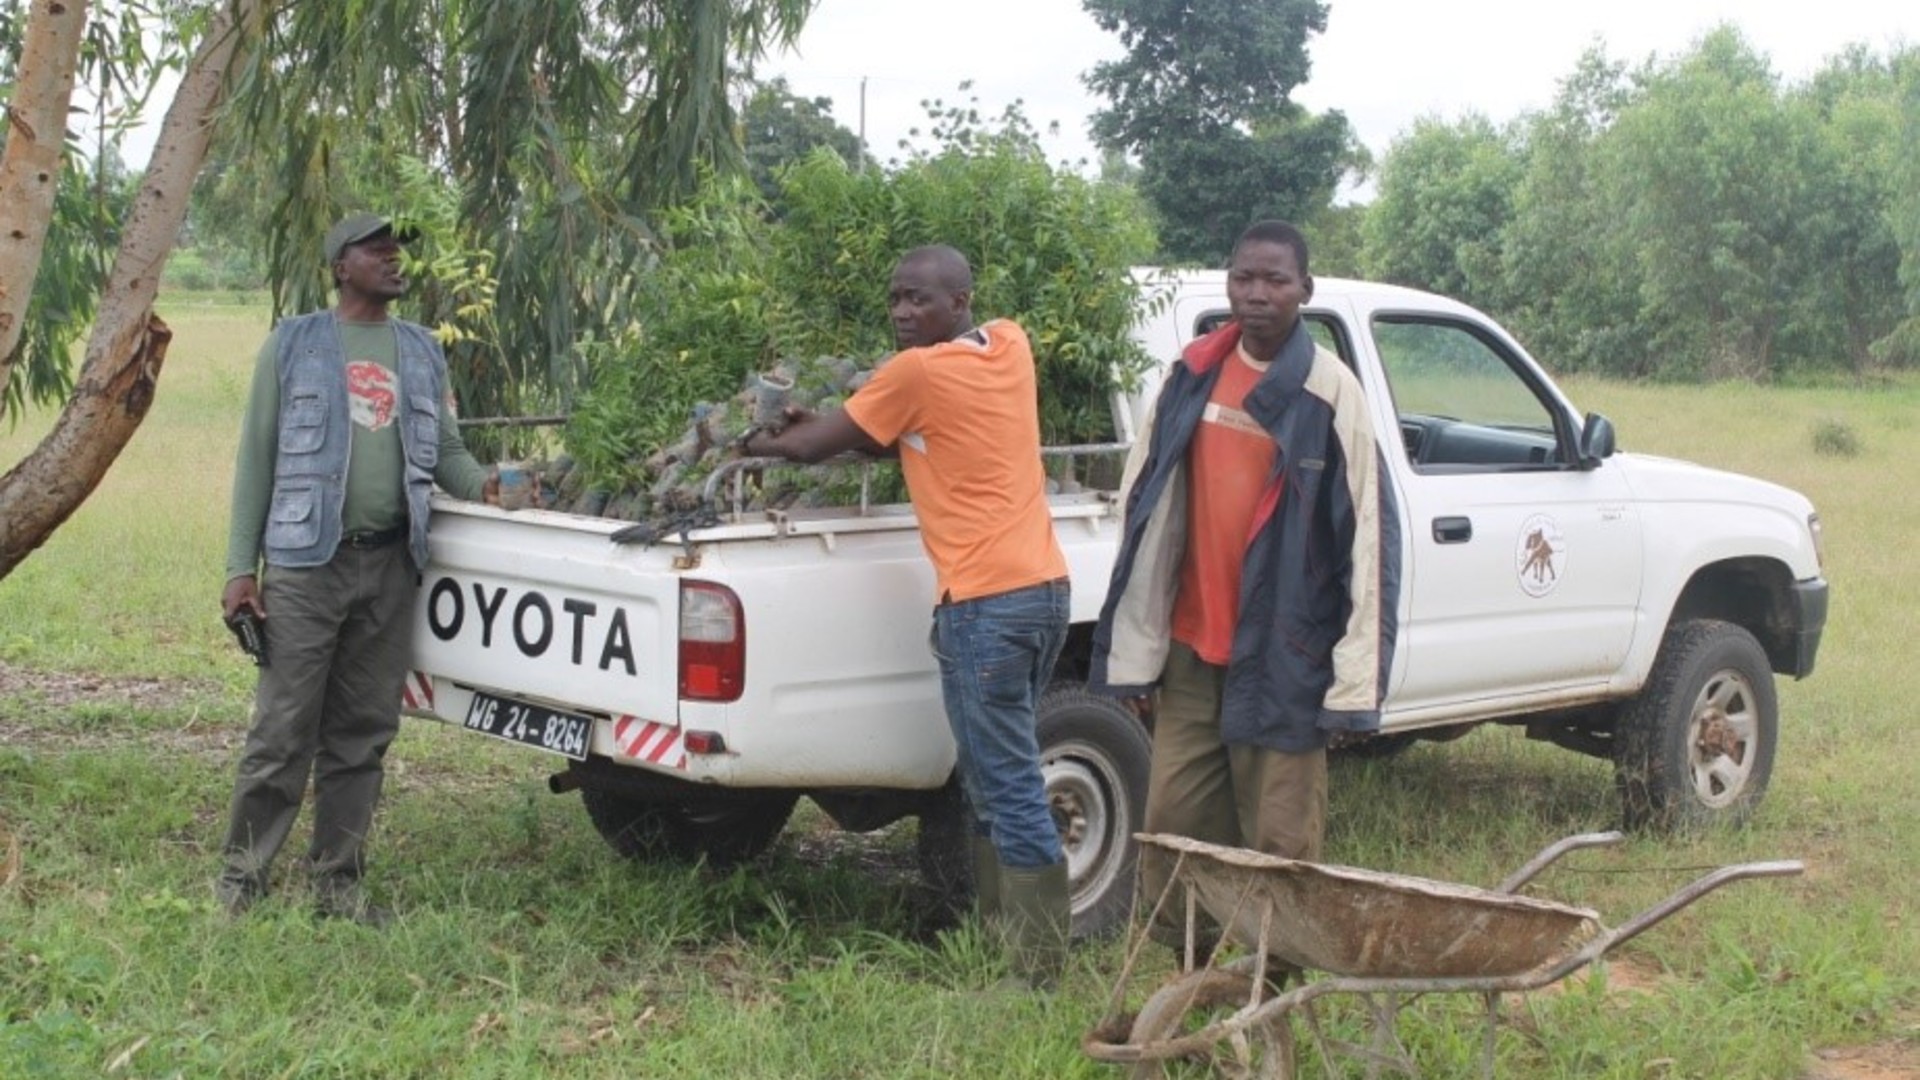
996,655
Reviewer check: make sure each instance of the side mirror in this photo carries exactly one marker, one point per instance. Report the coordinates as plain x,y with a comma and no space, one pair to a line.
1596,441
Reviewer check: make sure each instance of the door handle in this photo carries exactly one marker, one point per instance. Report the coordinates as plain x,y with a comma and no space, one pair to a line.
1452,530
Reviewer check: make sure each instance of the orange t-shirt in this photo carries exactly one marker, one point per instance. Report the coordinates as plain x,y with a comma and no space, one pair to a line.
966,416
1229,467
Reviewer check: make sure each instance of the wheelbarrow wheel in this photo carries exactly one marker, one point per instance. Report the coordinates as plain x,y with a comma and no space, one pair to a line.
1198,1000
1696,747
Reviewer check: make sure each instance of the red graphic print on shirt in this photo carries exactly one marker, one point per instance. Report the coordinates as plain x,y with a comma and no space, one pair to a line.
370,390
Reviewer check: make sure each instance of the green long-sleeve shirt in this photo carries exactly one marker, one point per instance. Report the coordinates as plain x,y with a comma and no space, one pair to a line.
375,488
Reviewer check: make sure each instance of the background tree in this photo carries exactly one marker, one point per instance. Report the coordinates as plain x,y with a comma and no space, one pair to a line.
1710,177
1570,288
1202,98
1445,200
1848,295
1338,241
556,125
563,124
1691,218
31,168
738,291
778,128
221,245
127,343
1902,345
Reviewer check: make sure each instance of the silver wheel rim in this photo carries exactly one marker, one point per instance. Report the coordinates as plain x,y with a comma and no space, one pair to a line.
1723,737
1081,782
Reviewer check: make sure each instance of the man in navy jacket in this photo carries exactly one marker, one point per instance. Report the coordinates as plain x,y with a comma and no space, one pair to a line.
1258,575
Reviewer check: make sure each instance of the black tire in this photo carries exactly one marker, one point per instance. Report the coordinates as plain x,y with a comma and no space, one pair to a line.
724,830
1094,754
1696,747
943,847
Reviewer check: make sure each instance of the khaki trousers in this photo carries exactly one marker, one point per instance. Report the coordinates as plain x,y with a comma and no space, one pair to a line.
1199,787
327,706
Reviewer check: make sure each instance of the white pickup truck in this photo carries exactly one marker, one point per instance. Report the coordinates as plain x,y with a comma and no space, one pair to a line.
1629,607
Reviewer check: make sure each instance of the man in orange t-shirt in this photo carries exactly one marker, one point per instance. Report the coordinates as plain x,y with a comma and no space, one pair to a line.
960,404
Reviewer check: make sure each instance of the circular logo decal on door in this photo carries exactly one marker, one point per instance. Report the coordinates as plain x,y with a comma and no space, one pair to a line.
1540,557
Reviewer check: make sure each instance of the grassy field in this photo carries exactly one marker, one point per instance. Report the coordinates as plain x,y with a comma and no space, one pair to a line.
527,949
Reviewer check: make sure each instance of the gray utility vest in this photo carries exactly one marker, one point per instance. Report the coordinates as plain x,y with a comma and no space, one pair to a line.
310,464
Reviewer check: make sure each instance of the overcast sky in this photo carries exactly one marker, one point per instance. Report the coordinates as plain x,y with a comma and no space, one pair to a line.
1384,63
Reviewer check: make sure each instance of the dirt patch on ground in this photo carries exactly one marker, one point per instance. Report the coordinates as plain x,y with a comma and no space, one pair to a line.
64,689
61,692
1632,975
1624,975
1890,1060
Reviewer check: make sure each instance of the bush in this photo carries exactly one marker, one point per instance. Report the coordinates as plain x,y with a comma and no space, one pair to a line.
1835,438
210,269
741,285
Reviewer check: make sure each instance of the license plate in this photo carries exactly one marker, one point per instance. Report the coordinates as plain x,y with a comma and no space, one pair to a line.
530,725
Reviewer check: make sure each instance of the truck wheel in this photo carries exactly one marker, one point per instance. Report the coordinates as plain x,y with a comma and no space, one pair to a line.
1696,747
723,831
943,847
1094,754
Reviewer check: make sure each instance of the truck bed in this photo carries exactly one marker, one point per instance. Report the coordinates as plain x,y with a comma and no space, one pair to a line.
542,607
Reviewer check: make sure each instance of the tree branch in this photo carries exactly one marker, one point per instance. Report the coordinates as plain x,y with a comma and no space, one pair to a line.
30,168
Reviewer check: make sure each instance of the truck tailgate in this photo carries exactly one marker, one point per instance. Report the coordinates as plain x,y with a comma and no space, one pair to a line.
544,606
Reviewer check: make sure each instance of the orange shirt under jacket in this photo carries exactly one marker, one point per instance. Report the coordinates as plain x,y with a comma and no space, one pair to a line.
966,416
1231,470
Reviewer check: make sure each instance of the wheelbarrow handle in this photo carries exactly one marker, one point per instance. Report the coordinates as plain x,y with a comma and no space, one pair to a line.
1700,887
1552,852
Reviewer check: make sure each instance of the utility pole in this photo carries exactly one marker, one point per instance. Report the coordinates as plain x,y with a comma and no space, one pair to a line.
861,166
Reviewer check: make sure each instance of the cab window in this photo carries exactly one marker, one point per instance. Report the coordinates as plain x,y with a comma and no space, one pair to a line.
1464,404
1325,330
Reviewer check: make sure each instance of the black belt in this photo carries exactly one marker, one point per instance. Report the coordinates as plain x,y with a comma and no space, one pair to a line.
371,539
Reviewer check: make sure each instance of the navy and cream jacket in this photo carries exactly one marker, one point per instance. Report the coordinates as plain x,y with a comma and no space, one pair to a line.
1320,587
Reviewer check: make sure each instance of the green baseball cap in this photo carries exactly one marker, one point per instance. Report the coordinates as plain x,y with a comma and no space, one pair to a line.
362,226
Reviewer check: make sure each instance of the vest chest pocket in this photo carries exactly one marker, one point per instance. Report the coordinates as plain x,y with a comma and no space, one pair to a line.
423,429
293,520
303,424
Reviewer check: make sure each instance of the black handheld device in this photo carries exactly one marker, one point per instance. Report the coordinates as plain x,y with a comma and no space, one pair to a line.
251,633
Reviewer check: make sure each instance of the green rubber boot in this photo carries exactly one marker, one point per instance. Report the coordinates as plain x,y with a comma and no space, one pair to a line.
1035,918
986,879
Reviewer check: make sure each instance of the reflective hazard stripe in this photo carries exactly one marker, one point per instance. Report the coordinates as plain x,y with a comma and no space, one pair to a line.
417,691
648,741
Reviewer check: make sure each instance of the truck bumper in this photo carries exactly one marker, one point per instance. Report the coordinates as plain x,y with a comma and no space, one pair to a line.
1809,620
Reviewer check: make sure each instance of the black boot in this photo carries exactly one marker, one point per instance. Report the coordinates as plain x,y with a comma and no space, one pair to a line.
1036,918
986,879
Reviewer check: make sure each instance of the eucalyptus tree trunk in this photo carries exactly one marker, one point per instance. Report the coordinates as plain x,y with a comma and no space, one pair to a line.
30,169
128,344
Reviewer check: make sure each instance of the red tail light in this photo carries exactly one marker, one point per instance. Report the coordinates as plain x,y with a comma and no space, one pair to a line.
713,643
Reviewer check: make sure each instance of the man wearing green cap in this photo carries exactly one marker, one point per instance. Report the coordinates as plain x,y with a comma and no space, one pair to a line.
347,430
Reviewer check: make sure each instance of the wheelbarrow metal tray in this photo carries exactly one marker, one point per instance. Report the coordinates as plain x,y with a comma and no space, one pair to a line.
1367,924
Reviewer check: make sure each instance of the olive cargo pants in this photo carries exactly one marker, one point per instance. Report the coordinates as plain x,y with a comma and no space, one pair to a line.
327,705
1199,787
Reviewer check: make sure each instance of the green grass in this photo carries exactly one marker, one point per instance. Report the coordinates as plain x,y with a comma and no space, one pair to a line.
131,583
527,949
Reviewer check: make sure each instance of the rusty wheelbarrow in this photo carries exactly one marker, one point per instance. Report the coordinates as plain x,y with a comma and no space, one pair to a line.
1378,937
